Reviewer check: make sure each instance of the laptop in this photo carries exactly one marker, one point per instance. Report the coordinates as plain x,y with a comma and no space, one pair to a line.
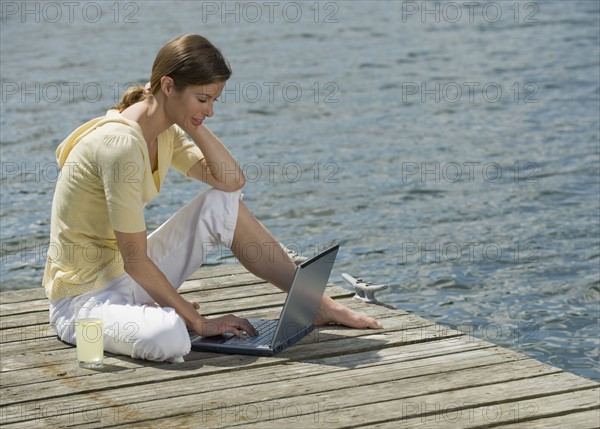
295,321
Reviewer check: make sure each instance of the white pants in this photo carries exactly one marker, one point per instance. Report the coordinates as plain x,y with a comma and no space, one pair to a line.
133,325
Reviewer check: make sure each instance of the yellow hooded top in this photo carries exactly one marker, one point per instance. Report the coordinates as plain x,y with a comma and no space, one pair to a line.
105,182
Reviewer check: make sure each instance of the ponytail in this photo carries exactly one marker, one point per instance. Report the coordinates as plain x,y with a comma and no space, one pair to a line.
132,95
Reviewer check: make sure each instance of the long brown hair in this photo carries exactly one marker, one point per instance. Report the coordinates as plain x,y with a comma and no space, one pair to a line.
189,60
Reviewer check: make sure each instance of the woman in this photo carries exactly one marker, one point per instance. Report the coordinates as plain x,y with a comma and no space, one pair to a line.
111,167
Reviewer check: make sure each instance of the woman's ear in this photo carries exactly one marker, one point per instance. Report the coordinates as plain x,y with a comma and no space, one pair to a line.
167,85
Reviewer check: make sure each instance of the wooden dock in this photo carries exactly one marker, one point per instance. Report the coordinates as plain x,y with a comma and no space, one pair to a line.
413,373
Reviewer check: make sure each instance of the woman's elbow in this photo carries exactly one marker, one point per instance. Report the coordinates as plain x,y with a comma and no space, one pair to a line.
239,184
234,185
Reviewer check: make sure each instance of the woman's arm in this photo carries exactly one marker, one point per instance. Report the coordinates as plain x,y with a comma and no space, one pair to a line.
133,248
218,168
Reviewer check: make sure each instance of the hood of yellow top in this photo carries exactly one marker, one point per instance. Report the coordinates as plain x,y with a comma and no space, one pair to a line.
63,149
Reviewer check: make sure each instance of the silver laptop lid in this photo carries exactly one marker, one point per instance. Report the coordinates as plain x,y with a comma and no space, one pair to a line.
304,298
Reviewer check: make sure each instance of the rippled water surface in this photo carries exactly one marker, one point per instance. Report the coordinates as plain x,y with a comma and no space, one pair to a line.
454,156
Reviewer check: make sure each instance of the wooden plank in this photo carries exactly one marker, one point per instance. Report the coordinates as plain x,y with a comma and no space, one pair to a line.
14,332
212,271
217,284
580,420
23,296
30,306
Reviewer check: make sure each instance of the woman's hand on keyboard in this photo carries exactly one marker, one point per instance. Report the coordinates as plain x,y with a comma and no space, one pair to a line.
225,324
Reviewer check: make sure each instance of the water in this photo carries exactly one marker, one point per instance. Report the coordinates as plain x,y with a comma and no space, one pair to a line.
457,161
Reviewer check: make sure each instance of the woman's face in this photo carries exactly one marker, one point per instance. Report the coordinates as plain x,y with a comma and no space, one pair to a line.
188,108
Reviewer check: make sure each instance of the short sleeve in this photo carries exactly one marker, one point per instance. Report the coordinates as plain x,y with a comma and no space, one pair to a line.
121,165
185,152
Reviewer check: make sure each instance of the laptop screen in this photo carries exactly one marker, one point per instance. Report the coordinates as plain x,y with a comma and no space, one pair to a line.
304,298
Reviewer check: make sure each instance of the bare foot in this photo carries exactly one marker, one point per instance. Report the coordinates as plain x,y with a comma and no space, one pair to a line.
331,311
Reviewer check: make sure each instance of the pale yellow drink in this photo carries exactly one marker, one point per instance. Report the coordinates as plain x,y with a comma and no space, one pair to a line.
90,344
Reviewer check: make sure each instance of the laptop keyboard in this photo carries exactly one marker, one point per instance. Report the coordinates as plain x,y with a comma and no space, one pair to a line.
266,330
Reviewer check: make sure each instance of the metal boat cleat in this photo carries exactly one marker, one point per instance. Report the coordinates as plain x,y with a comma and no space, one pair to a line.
365,291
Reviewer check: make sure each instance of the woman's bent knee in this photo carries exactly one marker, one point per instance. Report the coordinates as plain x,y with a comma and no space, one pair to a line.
165,340
219,213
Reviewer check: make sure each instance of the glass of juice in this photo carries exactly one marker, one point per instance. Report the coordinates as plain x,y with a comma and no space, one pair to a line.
89,334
